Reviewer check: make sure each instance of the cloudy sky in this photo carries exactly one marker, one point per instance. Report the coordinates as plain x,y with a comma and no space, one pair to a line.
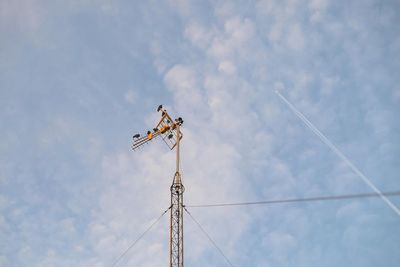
78,78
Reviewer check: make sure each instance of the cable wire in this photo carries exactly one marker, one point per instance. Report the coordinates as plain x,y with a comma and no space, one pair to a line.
294,200
209,237
339,153
138,239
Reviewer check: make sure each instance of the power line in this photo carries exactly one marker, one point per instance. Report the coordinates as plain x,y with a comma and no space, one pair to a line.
209,238
294,200
339,153
137,240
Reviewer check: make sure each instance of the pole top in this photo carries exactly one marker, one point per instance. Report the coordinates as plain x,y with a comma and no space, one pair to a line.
166,128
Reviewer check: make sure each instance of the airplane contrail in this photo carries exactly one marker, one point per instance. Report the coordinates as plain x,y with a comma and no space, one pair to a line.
339,154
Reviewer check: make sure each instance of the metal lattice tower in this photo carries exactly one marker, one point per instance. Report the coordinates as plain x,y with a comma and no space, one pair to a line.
176,220
169,131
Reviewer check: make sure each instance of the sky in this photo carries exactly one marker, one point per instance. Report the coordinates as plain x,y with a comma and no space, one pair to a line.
79,78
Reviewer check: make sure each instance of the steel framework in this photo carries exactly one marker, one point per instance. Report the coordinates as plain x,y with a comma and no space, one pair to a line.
176,221
169,131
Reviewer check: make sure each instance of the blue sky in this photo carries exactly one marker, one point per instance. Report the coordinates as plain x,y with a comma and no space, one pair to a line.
78,78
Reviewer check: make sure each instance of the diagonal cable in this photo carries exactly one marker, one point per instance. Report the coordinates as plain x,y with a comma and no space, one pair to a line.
138,239
339,153
209,238
295,200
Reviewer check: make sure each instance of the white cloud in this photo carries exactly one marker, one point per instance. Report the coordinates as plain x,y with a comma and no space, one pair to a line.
24,15
130,96
183,7
281,245
232,41
318,8
295,39
240,30
198,35
319,4
109,7
183,82
275,33
227,67
396,95
4,261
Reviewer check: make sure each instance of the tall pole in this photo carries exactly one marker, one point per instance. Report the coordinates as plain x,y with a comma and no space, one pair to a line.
170,132
176,219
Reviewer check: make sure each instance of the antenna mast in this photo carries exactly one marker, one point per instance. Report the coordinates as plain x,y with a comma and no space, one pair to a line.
169,131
